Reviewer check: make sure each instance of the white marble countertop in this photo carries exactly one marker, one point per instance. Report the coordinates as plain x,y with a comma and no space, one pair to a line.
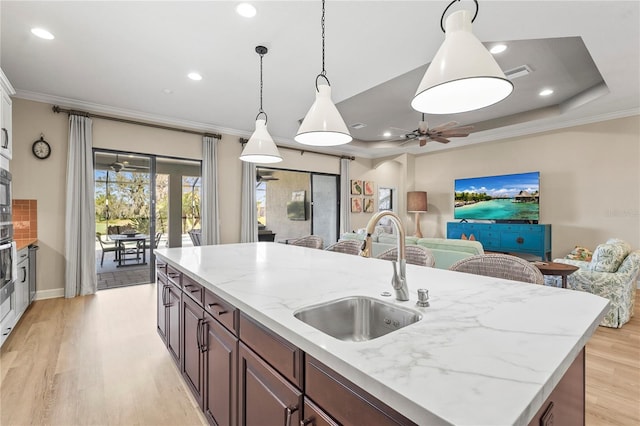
486,352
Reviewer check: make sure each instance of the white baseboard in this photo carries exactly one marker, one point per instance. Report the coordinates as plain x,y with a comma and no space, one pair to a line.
49,294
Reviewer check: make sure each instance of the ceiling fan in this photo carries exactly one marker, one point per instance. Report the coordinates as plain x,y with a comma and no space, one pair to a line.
118,165
441,133
263,175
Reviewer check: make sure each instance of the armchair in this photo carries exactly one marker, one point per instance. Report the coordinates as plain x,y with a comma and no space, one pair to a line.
612,274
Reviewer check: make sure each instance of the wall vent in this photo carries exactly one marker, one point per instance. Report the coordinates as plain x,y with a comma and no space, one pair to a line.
358,125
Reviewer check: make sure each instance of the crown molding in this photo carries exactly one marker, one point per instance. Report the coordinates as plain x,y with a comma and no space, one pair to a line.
4,82
90,107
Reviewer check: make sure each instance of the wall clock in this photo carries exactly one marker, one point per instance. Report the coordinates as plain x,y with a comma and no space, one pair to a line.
41,148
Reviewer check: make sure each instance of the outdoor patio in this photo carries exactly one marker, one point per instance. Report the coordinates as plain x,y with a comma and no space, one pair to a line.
111,276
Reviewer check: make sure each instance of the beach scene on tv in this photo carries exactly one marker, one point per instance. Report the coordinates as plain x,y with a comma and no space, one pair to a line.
505,197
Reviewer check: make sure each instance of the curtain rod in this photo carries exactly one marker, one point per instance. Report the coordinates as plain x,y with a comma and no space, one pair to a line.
57,110
302,151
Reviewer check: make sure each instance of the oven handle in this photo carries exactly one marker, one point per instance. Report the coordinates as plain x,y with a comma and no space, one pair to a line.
5,246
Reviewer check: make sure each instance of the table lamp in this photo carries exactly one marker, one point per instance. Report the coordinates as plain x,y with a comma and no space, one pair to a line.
417,203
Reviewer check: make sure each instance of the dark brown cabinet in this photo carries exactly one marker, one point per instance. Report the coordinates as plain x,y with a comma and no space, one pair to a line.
265,397
344,401
174,297
193,347
169,308
221,373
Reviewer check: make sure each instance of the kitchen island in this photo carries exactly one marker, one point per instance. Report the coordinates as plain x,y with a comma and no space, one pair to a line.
486,351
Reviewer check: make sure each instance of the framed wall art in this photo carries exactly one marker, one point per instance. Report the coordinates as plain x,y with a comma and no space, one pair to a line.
356,205
356,187
368,187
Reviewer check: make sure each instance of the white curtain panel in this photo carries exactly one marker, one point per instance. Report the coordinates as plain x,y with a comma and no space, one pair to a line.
345,191
80,226
209,199
249,214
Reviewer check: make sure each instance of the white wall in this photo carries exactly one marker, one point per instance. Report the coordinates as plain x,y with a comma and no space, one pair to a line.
590,180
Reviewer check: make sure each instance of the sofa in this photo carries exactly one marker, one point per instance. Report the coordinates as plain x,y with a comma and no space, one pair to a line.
446,252
611,273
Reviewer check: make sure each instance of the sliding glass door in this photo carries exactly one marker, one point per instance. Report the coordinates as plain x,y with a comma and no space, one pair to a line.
142,202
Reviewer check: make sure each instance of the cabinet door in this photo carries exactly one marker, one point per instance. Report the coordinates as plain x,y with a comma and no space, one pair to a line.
173,322
162,309
22,286
221,368
265,397
6,136
192,337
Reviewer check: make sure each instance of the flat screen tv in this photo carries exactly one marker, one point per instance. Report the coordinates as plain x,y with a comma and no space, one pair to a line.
504,198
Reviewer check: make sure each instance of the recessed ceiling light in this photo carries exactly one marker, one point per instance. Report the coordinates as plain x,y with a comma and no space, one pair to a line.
498,48
167,91
546,92
386,134
246,10
42,33
194,76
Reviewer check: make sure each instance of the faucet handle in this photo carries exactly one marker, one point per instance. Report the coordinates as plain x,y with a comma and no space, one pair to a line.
423,298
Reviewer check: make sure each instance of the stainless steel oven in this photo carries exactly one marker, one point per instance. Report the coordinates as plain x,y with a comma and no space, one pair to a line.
5,195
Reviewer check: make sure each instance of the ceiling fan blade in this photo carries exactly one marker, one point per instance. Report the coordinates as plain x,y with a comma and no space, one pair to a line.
444,126
454,135
439,139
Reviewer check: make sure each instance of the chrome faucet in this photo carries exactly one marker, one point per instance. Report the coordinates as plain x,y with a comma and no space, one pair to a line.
398,281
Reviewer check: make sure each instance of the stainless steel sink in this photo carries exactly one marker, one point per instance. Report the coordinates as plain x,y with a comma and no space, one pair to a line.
357,318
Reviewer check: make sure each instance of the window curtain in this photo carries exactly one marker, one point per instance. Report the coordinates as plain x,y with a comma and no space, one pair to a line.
80,227
345,191
209,201
249,215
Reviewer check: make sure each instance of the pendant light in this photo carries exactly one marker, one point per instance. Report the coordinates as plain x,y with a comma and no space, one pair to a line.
323,125
463,75
260,148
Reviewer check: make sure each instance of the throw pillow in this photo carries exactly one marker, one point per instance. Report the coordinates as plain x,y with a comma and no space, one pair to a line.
463,237
580,253
607,257
472,238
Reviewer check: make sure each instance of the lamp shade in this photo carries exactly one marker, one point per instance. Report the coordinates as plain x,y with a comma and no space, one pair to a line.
261,148
463,75
416,201
323,125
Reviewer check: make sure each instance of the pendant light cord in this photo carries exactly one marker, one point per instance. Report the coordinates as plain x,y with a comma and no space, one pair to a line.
261,50
323,74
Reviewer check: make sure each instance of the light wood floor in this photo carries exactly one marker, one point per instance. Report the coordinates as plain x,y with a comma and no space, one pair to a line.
97,360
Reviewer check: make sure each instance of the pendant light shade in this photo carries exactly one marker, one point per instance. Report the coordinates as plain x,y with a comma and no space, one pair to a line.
323,125
261,148
463,75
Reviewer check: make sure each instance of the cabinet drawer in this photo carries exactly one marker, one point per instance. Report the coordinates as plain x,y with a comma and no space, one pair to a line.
280,354
161,277
193,289
525,229
315,416
347,403
515,240
222,311
161,266
174,276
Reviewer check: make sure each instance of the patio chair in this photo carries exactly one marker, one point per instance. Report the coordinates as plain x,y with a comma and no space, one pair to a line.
311,241
195,236
107,246
500,266
416,255
346,246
